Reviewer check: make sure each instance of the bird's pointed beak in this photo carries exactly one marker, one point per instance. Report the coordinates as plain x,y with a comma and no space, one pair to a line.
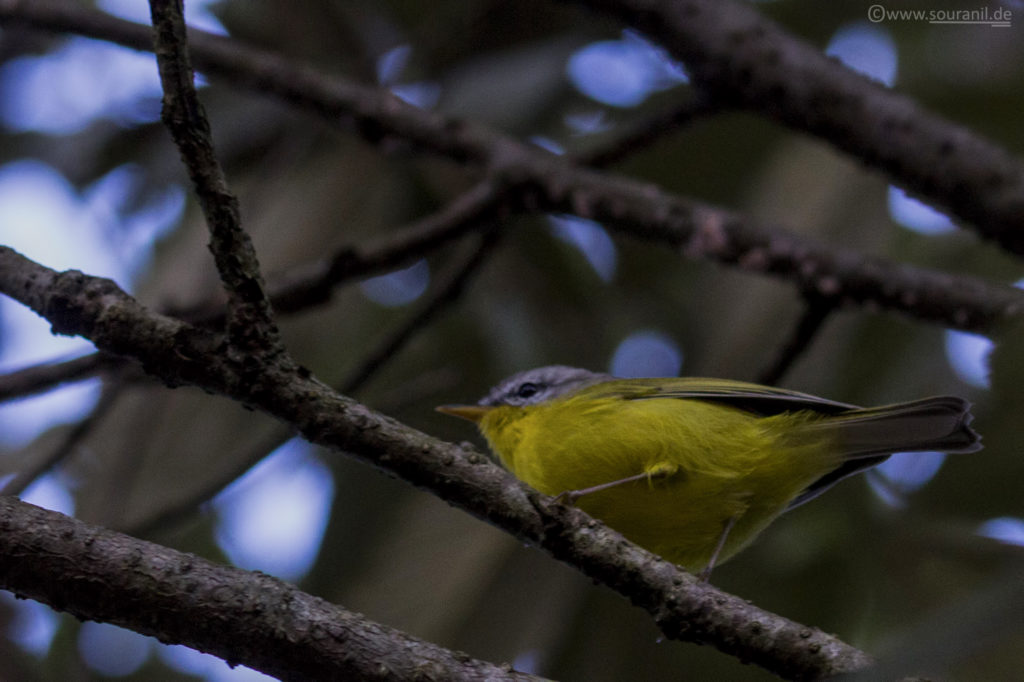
473,413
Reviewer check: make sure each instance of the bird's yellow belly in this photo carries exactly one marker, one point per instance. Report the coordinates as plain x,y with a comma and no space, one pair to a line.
728,466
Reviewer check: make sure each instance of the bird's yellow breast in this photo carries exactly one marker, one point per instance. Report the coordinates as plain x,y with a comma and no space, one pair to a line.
727,464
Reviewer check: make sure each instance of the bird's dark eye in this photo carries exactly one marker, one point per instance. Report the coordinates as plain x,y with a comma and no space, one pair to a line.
527,390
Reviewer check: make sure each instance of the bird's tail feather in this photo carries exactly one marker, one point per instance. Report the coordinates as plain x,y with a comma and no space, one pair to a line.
941,423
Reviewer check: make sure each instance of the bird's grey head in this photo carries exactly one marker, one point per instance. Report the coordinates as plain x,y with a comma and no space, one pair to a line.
535,386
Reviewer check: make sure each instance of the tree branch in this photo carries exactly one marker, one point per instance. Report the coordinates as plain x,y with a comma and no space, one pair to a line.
449,287
816,311
27,475
701,231
742,58
646,133
241,616
250,325
40,378
556,184
301,286
681,606
312,283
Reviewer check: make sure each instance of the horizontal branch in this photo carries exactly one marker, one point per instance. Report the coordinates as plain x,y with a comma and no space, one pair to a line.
557,184
240,616
682,607
741,58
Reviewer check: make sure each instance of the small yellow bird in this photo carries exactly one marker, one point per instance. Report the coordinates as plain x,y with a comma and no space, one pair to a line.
694,469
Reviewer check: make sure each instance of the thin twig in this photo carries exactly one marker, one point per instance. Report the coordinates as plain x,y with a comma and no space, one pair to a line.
642,135
312,283
816,310
700,231
44,377
449,287
250,324
24,478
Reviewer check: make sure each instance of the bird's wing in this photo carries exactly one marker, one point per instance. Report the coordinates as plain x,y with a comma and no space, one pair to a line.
761,400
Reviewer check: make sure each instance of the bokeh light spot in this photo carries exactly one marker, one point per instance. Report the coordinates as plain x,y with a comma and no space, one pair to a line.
273,518
866,48
111,650
33,625
1006,529
903,473
647,353
915,215
623,73
400,287
83,80
592,240
968,354
49,492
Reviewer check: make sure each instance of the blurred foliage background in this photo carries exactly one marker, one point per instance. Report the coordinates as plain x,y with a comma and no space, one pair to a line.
898,562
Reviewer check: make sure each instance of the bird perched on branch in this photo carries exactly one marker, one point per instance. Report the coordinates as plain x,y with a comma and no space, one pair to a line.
694,469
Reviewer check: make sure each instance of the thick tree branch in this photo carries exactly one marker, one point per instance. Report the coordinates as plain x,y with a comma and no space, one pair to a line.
240,616
556,184
682,607
742,58
250,325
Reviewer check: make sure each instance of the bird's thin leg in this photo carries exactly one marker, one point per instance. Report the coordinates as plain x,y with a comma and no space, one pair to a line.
570,496
706,573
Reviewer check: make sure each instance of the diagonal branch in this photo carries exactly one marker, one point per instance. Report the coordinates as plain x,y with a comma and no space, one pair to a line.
250,325
702,231
740,57
645,133
451,285
43,377
681,606
28,475
311,283
241,616
305,285
817,310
